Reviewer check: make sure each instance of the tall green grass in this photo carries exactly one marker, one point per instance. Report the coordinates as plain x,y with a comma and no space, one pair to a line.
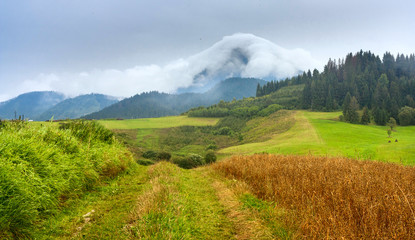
41,166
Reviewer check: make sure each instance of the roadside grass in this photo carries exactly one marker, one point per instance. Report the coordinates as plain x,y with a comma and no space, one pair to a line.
43,167
98,214
163,201
317,133
162,122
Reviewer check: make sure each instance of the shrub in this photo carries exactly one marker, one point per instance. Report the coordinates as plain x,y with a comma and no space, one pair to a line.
145,162
270,110
163,156
223,131
406,116
210,157
212,147
191,161
150,154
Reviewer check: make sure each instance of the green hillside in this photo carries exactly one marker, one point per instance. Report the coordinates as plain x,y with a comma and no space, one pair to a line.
77,107
155,104
29,104
322,134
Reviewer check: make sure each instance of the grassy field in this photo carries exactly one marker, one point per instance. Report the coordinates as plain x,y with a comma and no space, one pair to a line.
253,197
318,134
165,202
153,123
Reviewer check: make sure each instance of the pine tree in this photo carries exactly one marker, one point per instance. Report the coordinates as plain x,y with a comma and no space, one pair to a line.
258,90
365,117
346,104
353,116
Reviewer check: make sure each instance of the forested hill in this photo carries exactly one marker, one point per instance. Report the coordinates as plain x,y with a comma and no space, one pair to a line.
29,104
155,104
77,107
384,86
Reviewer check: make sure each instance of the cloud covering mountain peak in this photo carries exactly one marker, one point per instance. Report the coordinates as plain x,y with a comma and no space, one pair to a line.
243,55
246,55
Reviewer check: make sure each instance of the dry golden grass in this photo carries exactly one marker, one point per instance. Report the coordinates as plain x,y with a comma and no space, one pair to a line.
334,198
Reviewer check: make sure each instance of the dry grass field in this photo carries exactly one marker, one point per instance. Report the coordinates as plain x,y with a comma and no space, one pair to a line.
332,198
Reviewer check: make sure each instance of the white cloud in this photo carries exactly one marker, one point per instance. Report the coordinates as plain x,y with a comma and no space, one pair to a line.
238,55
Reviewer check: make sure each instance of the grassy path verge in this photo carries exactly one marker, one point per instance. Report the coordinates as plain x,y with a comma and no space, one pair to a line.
99,214
163,201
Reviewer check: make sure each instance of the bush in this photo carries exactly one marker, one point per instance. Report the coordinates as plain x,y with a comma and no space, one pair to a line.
150,154
145,162
270,110
163,156
210,157
223,131
406,116
212,147
191,161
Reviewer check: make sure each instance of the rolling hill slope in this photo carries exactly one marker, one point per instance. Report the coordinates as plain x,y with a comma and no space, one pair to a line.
155,104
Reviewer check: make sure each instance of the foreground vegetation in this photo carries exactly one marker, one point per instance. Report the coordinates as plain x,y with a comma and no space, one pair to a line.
163,201
42,166
82,184
332,197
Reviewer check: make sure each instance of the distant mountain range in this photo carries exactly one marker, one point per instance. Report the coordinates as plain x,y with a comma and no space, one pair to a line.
43,105
29,104
77,107
155,104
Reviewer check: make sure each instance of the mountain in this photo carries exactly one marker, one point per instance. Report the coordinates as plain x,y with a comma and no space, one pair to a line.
77,107
240,55
29,104
155,104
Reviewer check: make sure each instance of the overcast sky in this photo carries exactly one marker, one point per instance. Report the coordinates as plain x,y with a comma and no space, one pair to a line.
45,40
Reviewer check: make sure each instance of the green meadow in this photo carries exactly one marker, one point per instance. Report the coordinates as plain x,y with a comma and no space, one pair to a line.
286,132
163,122
322,134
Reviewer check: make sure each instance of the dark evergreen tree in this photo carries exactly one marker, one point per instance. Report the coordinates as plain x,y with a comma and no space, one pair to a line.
346,104
380,116
352,115
365,116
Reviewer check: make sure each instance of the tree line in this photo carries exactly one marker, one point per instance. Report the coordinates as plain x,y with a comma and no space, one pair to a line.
382,88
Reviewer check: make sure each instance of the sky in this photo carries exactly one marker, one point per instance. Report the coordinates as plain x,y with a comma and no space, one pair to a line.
128,46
